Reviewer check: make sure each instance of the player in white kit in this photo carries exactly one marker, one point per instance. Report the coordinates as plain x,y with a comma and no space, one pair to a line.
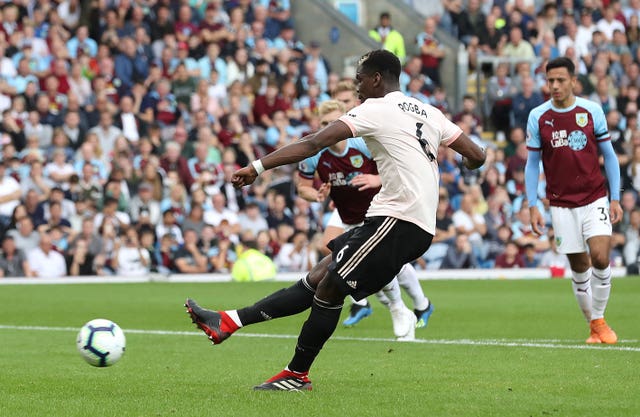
403,136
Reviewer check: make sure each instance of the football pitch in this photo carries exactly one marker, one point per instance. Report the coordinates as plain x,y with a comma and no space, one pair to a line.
492,348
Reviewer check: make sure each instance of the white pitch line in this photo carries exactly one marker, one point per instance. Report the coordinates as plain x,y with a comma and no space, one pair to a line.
526,343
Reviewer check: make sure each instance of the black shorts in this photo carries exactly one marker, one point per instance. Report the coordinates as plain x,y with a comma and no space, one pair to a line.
367,258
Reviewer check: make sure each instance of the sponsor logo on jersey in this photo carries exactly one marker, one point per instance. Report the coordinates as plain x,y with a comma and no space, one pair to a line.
577,140
549,122
582,119
357,161
559,138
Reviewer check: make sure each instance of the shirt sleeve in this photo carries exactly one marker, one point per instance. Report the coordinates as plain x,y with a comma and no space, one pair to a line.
307,167
533,132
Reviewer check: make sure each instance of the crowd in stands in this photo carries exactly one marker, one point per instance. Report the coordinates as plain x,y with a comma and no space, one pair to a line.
123,122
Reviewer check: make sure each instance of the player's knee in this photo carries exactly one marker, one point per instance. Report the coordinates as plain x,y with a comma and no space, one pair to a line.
331,290
318,272
600,260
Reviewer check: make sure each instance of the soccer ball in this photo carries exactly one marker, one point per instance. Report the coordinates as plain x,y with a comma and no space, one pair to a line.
101,342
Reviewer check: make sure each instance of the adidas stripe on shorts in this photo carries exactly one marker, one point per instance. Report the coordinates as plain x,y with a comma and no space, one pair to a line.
367,258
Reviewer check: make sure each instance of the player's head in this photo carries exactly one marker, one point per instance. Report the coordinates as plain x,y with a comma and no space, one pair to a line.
377,74
346,93
329,111
561,80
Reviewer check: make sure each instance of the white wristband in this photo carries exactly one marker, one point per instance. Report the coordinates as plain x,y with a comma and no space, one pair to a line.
257,165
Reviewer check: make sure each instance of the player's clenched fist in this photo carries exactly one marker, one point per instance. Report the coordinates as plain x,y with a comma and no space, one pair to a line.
244,176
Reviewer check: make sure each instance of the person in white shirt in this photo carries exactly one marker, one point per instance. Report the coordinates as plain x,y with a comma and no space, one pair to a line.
10,193
130,260
403,136
46,262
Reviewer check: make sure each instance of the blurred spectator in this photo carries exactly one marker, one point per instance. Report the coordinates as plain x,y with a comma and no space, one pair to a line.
79,260
169,226
431,51
13,262
44,261
525,101
390,38
498,98
459,255
130,259
222,256
296,256
10,194
510,258
144,206
189,259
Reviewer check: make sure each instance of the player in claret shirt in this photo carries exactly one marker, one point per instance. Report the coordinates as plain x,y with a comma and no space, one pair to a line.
566,133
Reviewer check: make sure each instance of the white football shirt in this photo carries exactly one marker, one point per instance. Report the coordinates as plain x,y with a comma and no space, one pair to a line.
392,127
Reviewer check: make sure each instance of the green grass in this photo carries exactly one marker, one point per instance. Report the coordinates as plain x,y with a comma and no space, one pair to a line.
493,348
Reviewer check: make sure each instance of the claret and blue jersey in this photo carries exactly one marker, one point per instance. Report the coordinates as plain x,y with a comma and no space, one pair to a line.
568,140
339,170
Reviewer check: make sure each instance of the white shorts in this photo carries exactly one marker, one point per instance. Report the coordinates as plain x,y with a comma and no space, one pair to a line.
336,221
574,226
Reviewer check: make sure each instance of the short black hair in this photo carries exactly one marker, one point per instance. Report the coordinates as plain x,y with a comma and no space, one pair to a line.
383,62
562,62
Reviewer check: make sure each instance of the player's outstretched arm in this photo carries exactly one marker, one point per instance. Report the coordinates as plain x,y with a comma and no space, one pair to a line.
473,156
293,152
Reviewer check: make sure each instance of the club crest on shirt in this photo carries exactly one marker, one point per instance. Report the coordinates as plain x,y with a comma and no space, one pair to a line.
582,119
356,161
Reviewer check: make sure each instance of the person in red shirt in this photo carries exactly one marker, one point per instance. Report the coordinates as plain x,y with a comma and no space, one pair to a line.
510,258
266,105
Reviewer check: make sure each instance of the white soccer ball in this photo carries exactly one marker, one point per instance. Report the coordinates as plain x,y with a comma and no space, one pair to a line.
101,342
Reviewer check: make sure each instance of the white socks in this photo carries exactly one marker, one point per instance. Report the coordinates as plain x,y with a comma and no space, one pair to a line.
391,296
408,280
362,302
601,288
582,290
